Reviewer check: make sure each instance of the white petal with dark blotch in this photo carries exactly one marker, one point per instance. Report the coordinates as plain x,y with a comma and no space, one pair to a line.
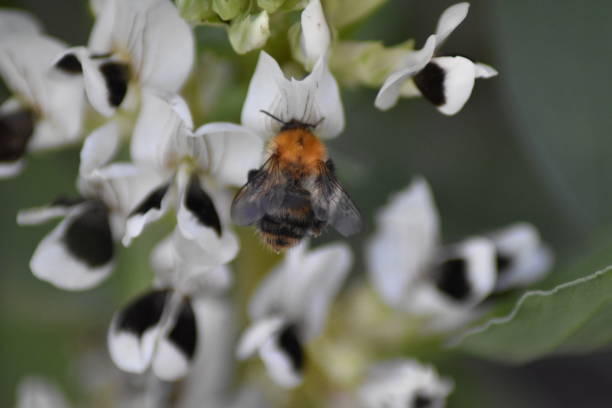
96,87
390,92
79,253
315,38
152,207
135,329
458,82
450,20
99,148
522,258
467,273
233,151
283,356
13,21
199,220
404,383
405,241
35,392
8,170
177,347
159,44
258,334
265,93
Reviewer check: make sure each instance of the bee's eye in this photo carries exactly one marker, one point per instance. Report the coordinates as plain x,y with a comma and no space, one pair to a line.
330,165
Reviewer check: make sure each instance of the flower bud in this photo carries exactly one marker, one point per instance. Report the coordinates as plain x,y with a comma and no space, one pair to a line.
249,32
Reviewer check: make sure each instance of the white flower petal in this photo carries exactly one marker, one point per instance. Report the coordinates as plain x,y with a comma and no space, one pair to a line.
159,43
450,20
404,383
34,392
316,37
457,84
8,170
522,258
280,364
257,335
135,330
177,347
389,93
484,70
265,93
78,253
13,21
160,135
467,273
248,32
59,208
99,148
404,244
25,60
233,151
315,285
198,219
325,102
95,84
153,207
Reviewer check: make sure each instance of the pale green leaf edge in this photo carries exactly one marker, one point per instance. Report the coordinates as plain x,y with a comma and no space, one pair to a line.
516,310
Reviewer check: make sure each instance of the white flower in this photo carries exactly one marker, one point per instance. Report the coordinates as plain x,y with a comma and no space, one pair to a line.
312,100
162,329
34,392
413,272
522,258
290,309
192,169
404,384
145,41
79,253
45,111
249,32
315,36
446,81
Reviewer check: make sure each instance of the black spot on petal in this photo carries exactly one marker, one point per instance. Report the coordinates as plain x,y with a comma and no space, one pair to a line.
451,278
422,401
503,263
289,342
16,129
70,64
152,200
116,75
184,334
88,236
143,313
65,201
430,81
201,205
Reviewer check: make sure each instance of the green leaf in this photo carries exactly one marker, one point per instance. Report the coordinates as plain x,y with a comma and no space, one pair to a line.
572,318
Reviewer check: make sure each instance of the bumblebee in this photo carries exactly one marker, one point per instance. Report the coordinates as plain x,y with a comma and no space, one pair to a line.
295,193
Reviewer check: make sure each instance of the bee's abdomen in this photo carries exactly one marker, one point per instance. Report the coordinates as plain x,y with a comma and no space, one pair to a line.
286,227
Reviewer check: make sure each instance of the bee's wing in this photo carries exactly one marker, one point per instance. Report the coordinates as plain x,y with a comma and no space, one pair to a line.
332,204
264,192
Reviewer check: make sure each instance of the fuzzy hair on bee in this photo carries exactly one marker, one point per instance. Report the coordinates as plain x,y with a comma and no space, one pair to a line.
295,193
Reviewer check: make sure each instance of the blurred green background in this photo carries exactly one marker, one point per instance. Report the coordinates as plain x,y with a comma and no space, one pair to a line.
532,144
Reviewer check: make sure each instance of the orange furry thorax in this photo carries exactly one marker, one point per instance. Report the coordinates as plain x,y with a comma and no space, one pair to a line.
298,151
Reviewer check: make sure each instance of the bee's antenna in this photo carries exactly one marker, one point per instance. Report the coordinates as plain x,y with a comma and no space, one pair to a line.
273,117
318,122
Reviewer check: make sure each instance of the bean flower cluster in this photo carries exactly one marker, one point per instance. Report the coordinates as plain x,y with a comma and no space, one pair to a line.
191,339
